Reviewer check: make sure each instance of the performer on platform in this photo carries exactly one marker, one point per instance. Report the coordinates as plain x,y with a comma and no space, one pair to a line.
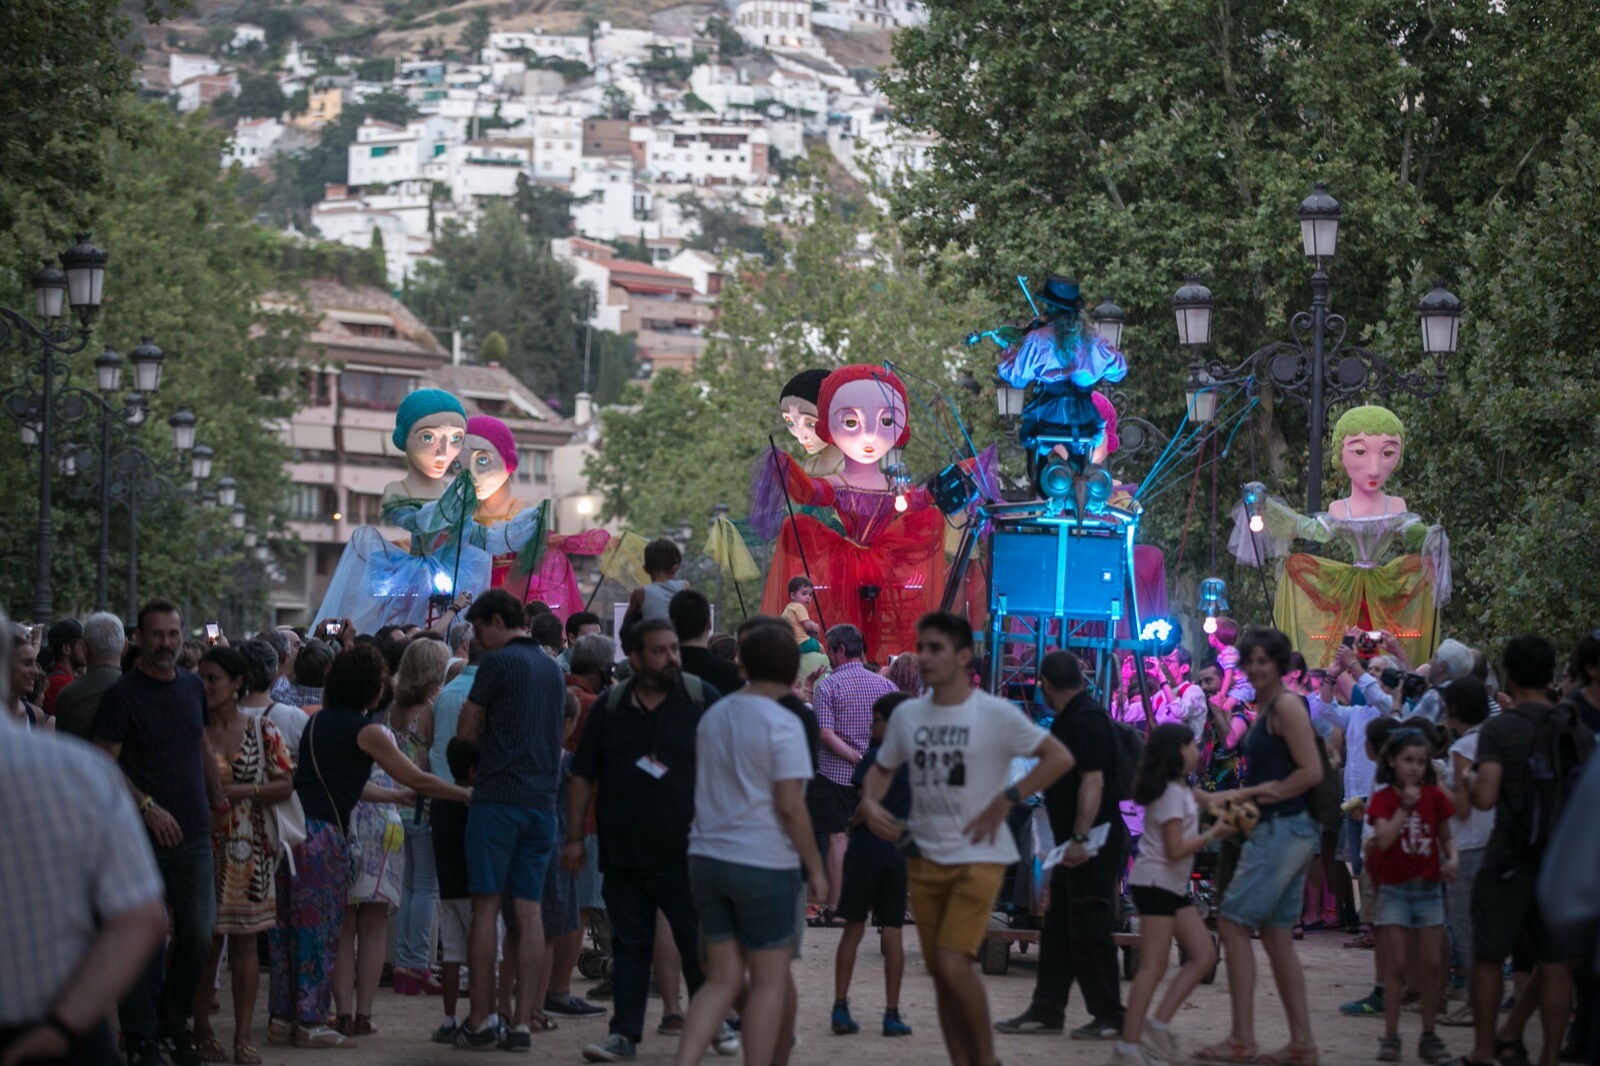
1385,586
491,458
887,568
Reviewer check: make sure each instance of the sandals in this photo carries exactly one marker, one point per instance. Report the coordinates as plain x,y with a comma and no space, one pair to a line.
1227,1051
1290,1056
363,1025
210,1049
246,1055
545,1023
280,1031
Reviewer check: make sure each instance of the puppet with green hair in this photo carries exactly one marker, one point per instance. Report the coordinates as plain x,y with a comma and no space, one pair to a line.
1398,573
444,551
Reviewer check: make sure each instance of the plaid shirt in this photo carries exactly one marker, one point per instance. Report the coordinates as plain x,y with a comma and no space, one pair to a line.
72,852
843,701
301,696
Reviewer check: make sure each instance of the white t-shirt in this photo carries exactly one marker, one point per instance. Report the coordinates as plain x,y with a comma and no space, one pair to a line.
288,719
1474,830
743,745
1152,867
960,760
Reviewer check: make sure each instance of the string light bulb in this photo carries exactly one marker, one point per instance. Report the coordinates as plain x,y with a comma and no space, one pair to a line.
900,502
1257,524
1210,624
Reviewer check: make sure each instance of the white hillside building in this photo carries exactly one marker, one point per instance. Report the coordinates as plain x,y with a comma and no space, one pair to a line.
775,23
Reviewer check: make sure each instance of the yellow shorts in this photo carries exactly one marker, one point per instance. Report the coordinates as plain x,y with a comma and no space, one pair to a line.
952,904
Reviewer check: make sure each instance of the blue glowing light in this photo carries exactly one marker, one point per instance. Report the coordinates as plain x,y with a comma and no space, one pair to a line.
443,583
1157,629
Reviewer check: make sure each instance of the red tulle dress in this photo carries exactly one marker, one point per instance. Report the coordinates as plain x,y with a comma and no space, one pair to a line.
898,553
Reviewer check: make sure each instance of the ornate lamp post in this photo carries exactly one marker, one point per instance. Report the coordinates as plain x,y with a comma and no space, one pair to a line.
1316,366
44,396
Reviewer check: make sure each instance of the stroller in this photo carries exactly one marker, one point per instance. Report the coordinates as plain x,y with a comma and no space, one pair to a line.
594,960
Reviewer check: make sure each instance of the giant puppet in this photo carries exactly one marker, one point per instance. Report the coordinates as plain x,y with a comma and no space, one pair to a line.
884,567
1398,575
378,582
544,574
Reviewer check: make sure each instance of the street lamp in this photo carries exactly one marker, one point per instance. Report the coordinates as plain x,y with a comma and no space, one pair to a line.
108,369
200,462
227,491
1316,366
182,423
1108,319
147,360
250,536
236,518
36,407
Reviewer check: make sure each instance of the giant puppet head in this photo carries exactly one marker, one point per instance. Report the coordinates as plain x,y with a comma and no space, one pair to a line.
491,453
862,410
1370,442
430,426
797,403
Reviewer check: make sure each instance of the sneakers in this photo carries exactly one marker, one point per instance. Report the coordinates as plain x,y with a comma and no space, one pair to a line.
613,1048
1030,1024
570,1006
1162,1044
893,1025
519,1039
843,1024
446,1033
1389,1049
1431,1049
602,990
671,1025
180,1048
470,1039
146,1053
726,1042
1098,1029
1369,1007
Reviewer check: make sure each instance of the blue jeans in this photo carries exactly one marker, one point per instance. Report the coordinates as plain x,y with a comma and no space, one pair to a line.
1271,876
159,1003
1412,905
419,892
758,907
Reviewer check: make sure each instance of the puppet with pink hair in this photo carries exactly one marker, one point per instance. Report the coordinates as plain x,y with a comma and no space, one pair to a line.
490,454
887,566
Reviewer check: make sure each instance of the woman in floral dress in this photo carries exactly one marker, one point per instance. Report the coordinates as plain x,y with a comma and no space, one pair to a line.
256,774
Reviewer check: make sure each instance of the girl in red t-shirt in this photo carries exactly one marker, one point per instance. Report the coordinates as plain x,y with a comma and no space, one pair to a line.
1411,853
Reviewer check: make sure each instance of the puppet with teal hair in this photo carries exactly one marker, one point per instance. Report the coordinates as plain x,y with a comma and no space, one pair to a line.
379,582
1398,573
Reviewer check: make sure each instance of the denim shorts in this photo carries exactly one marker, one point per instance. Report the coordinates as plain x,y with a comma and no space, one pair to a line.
758,907
508,849
1413,905
1268,882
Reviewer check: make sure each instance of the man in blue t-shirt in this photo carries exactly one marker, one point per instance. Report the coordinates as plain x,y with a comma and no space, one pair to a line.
514,712
153,723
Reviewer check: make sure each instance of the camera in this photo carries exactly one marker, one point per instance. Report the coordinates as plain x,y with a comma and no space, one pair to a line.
1411,685
334,628
869,593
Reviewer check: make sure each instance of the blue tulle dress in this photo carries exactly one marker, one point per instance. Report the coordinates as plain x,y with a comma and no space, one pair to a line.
379,583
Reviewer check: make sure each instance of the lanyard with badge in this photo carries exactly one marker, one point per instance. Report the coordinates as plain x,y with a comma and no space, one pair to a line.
649,763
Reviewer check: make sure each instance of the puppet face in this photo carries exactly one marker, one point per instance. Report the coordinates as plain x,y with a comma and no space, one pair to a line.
800,418
489,473
866,418
1369,459
433,444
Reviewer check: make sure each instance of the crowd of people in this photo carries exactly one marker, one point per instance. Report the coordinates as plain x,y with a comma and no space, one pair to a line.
505,787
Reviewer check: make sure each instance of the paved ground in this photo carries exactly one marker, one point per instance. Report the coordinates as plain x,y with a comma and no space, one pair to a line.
1334,975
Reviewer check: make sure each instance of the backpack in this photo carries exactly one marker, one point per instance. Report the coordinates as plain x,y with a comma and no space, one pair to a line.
1561,745
615,694
1130,748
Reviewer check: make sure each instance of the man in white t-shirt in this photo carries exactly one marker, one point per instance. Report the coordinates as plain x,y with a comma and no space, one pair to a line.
750,839
958,743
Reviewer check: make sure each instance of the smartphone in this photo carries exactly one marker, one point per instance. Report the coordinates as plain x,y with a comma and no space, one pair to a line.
213,631
1375,635
334,628
36,633
1348,641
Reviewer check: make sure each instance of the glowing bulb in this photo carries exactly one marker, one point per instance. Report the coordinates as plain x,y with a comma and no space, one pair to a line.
442,583
900,502
337,517
1157,629
1257,524
1211,624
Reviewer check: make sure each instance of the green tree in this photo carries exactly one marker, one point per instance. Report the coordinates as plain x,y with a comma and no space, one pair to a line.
494,349
259,96
64,70
1157,138
725,230
638,251
499,278
615,102
228,360
546,210
475,34
378,68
